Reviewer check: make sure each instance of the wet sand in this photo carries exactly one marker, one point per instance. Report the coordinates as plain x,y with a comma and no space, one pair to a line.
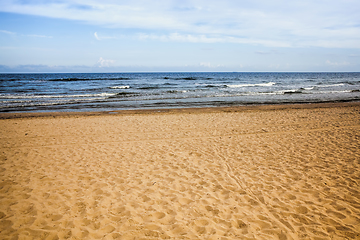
268,172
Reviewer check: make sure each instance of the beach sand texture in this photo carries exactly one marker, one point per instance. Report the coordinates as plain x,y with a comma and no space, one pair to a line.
255,173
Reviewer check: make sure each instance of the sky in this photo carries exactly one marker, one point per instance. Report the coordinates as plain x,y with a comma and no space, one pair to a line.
179,35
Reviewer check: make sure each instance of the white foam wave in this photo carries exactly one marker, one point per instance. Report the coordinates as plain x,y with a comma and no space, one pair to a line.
269,84
308,88
50,102
331,85
120,87
25,96
344,91
258,93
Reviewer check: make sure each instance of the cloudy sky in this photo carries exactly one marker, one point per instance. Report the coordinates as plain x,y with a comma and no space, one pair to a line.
179,35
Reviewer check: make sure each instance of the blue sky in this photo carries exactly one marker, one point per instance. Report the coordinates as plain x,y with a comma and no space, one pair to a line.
186,35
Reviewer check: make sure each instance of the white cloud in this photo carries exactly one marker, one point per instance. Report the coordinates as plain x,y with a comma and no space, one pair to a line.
102,37
336,64
297,23
28,35
176,37
263,52
7,32
105,62
206,64
96,36
39,36
210,65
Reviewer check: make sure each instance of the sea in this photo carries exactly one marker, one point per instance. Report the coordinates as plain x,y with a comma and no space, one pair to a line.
50,92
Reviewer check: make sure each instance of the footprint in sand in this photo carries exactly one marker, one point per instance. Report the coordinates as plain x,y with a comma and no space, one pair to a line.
201,222
184,201
159,215
54,217
301,210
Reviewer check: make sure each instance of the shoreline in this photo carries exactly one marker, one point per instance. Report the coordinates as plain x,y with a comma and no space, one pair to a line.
266,107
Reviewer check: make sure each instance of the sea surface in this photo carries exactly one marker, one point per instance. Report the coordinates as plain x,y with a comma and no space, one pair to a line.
119,91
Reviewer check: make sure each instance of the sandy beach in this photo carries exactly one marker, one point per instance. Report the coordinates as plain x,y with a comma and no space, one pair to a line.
266,172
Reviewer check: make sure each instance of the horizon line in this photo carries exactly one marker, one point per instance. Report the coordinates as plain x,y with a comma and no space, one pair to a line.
180,72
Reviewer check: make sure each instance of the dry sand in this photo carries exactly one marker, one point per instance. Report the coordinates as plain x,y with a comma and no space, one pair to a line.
276,172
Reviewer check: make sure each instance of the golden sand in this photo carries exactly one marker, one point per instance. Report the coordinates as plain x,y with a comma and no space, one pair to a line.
276,172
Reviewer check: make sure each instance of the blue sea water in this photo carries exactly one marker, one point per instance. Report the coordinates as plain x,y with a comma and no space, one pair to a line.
118,91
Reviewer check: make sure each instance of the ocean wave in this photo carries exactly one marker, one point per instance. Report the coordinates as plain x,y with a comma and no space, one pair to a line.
181,78
307,88
26,96
68,79
86,79
188,78
120,87
330,85
213,85
124,94
299,91
149,87
269,84
292,92
176,91
351,83
286,92
343,91
26,103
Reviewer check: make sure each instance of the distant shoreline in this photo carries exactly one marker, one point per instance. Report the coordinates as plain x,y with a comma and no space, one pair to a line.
264,107
141,72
